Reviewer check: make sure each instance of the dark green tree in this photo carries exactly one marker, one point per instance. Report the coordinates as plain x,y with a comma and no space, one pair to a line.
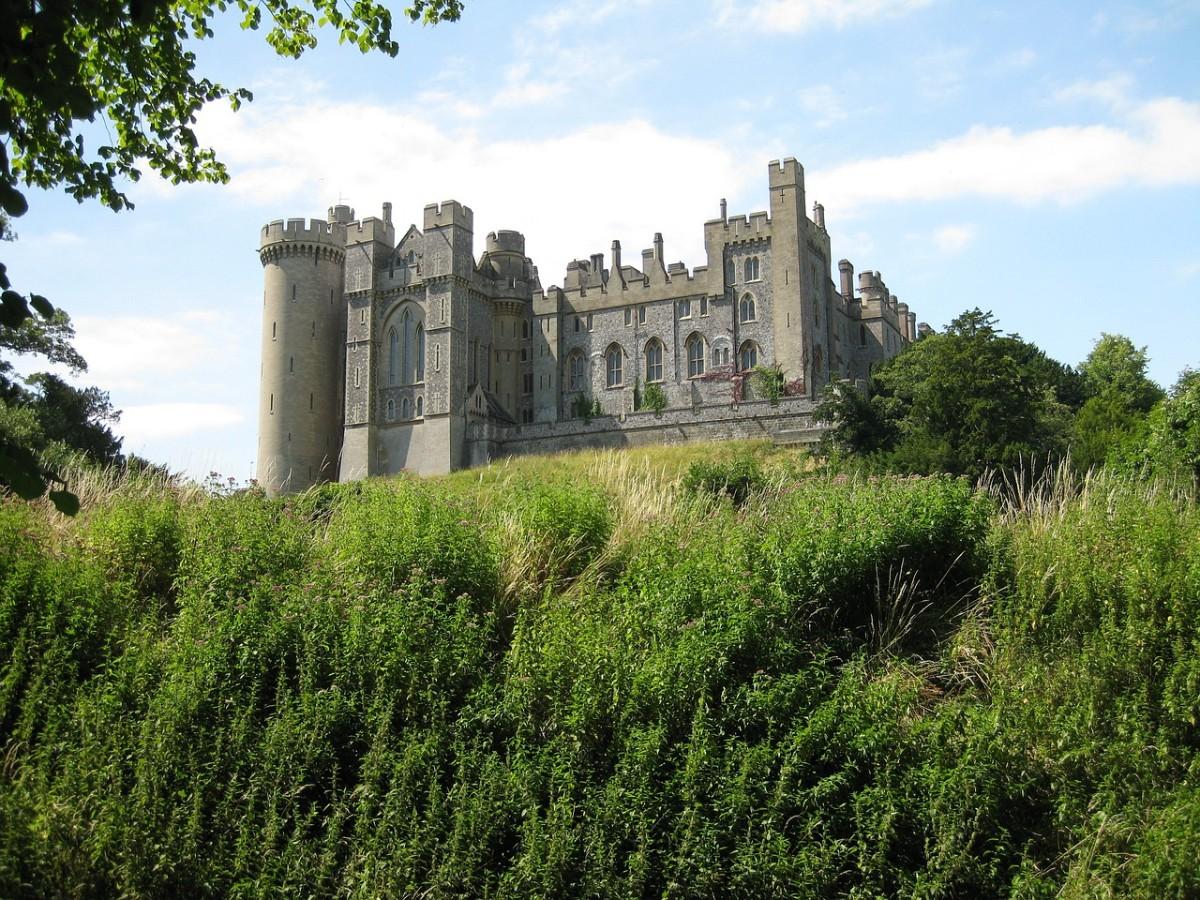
858,424
1114,418
1175,426
1116,365
960,401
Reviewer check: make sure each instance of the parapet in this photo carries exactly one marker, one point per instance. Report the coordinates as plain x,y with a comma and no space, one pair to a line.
371,229
505,242
449,212
311,230
788,173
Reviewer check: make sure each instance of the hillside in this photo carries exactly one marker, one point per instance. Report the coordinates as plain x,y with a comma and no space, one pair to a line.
680,672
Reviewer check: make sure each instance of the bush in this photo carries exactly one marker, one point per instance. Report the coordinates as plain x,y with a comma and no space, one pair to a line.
735,478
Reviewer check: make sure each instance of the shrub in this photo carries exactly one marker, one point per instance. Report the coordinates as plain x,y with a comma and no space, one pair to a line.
736,478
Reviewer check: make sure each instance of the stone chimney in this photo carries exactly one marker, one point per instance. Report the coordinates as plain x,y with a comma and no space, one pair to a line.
846,268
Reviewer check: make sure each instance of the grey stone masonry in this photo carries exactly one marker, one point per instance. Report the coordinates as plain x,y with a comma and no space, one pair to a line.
383,353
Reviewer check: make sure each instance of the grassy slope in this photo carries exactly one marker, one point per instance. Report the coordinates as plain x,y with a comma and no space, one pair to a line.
571,676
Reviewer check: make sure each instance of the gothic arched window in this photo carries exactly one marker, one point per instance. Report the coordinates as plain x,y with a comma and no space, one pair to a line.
420,352
406,355
391,410
393,355
751,268
746,310
420,407
748,357
404,408
654,360
612,365
695,355
575,371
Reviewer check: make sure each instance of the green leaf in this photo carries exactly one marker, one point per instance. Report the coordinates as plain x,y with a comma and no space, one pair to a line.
13,309
42,305
12,200
65,502
19,469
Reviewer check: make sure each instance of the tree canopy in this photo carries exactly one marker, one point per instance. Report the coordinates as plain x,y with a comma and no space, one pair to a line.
959,401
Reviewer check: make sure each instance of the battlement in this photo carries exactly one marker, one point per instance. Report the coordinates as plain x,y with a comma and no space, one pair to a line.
787,173
738,228
506,242
371,229
449,212
311,230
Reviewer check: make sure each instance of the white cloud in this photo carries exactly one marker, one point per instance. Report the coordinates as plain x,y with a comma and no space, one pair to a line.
582,14
1111,92
61,238
1153,147
137,352
793,16
941,72
822,104
159,421
1188,270
1018,59
571,193
953,238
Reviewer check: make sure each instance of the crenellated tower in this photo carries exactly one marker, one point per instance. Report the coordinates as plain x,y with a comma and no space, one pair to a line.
299,419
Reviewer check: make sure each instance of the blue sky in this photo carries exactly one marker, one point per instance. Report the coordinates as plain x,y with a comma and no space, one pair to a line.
1038,160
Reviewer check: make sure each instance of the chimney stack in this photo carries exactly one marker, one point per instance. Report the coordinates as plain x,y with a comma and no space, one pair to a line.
819,215
846,268
724,211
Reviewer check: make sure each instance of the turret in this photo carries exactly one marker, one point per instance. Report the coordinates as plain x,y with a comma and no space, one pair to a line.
299,418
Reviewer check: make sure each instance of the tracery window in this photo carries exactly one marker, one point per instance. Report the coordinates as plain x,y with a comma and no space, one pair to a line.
748,356
751,268
613,358
575,371
695,355
420,352
654,360
746,310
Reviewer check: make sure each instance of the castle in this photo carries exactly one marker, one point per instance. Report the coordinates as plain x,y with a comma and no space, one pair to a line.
381,355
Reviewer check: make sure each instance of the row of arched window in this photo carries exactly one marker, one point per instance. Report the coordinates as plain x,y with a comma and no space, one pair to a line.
751,270
406,408
614,362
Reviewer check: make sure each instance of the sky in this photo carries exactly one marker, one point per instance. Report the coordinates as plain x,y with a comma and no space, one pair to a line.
1041,161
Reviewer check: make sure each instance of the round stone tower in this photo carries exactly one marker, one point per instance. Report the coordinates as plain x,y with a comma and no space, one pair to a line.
510,311
299,432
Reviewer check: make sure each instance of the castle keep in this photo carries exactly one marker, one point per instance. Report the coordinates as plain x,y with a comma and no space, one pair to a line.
381,354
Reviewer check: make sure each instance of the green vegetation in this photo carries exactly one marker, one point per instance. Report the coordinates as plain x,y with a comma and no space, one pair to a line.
604,675
973,399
